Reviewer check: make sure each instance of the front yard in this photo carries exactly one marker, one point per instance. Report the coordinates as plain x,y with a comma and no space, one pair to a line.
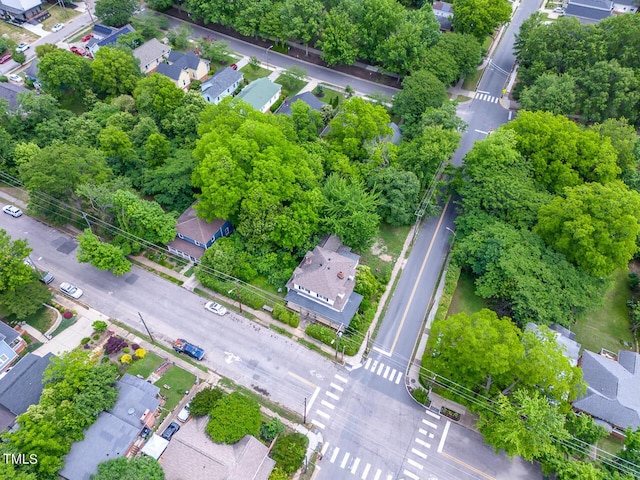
145,366
251,73
179,381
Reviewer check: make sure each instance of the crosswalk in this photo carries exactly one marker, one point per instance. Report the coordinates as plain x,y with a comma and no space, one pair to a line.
415,468
328,403
384,371
485,97
349,463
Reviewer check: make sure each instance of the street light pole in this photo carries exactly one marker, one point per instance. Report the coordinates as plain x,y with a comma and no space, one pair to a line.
267,55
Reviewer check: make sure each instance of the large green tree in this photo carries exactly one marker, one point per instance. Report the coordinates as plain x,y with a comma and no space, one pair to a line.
157,96
551,93
114,72
64,74
596,226
480,17
398,195
103,256
129,469
234,416
339,41
115,12
420,91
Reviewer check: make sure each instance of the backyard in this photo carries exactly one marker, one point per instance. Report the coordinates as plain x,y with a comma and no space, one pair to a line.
179,381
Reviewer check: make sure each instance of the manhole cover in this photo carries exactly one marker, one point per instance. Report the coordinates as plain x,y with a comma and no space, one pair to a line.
131,279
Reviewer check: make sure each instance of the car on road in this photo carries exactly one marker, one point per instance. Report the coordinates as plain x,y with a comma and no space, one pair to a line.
23,47
170,431
57,27
184,413
44,276
70,290
78,50
182,346
15,78
87,37
214,307
15,212
5,58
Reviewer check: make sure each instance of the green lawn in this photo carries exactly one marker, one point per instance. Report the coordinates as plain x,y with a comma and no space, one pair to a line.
145,366
611,444
471,83
388,246
59,15
465,298
292,89
251,74
180,381
608,326
64,324
41,320
329,95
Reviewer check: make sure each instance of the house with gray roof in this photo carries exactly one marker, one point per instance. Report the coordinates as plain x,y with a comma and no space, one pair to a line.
195,234
261,94
151,54
625,6
115,433
306,97
222,84
21,387
589,11
104,36
192,452
21,10
11,344
183,68
444,13
9,92
564,338
321,287
613,392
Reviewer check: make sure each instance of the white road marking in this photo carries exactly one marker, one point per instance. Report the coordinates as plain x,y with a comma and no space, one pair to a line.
365,472
481,91
423,443
342,379
393,374
390,477
325,447
332,395
434,415
481,131
510,114
337,387
380,369
377,475
431,435
345,459
496,99
399,377
318,424
386,372
411,475
334,455
322,414
367,364
375,364
313,398
327,404
354,467
444,436
417,452
422,431
430,424
383,352
414,464
230,357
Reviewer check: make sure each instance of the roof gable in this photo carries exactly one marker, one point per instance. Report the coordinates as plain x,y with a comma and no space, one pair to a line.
150,51
7,334
22,385
191,226
306,97
9,92
221,81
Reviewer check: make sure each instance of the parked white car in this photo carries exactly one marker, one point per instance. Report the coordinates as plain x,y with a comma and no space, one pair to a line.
214,307
184,413
15,78
70,290
57,27
15,212
23,47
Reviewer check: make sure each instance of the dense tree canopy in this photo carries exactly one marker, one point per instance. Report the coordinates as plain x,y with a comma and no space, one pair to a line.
115,12
130,469
480,17
114,72
103,256
234,416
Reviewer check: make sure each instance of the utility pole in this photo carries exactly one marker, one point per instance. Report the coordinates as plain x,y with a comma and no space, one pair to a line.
238,294
147,329
304,414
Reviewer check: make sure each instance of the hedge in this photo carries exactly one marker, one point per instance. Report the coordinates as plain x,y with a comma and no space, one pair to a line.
289,451
346,343
234,416
286,316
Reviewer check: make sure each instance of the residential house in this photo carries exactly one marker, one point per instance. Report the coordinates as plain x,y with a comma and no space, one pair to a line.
11,344
195,235
261,94
222,84
103,36
9,92
625,6
183,68
20,11
151,54
321,288
115,433
306,97
444,13
589,11
613,392
565,338
32,70
21,387
192,452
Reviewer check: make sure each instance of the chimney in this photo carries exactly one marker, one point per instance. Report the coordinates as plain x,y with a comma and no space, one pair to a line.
340,275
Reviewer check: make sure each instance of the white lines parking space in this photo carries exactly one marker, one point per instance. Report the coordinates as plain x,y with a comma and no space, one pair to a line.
385,371
485,97
328,401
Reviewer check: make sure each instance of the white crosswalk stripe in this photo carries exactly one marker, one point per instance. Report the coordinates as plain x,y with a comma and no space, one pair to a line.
377,475
318,424
399,377
414,464
332,395
411,475
334,455
485,97
345,459
338,377
354,467
330,406
430,424
325,447
417,452
337,387
322,414
423,443
365,472
385,371
380,369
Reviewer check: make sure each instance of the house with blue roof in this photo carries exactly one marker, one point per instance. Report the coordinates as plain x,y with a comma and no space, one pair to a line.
222,84
103,36
261,94
11,344
183,68
306,97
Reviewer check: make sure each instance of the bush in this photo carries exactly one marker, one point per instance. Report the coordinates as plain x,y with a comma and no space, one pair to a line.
126,349
85,340
322,333
276,105
286,316
234,416
126,359
420,394
114,345
271,429
204,401
278,474
67,314
96,337
140,352
99,326
289,451
135,346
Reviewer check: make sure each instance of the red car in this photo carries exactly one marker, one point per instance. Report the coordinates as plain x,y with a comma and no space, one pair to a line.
87,37
78,50
234,66
5,58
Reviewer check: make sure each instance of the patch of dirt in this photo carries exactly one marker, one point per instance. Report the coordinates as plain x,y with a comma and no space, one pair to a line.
386,258
378,247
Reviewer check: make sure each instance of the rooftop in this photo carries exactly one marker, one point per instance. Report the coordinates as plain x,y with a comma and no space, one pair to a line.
222,80
10,92
150,51
259,92
306,97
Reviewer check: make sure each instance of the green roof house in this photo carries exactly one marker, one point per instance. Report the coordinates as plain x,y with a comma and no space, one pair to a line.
261,94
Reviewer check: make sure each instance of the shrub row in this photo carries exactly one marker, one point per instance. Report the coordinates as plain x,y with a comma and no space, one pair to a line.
286,316
222,287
